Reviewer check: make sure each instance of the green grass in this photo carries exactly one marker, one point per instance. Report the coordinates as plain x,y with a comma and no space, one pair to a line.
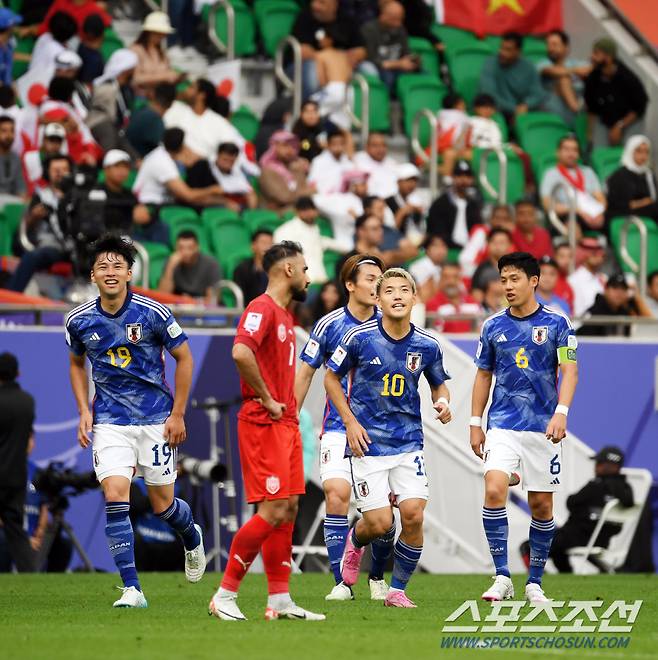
70,616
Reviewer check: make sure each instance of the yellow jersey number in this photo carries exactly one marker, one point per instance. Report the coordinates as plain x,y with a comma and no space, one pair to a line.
393,385
521,359
121,359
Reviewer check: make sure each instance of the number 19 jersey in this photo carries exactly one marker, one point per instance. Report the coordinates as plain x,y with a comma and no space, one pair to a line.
383,387
524,354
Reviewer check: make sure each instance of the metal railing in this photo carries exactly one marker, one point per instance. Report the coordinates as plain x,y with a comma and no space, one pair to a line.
639,269
499,195
234,289
145,261
227,48
362,123
418,150
569,229
293,85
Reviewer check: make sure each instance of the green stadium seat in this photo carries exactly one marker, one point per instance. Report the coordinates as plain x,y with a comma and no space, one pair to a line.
466,66
10,219
502,124
216,216
330,259
417,92
173,214
429,62
230,241
515,175
492,41
245,27
200,231
616,225
254,219
380,105
534,49
543,163
158,255
605,160
246,122
111,43
453,37
275,19
326,228
540,132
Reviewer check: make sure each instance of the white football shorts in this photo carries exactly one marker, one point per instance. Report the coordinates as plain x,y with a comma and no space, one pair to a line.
333,464
375,477
530,452
124,450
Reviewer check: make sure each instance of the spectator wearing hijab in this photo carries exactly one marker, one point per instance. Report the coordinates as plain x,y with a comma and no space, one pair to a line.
112,101
632,188
283,173
308,129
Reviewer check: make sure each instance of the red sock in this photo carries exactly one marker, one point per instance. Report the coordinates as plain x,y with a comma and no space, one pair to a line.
277,558
244,549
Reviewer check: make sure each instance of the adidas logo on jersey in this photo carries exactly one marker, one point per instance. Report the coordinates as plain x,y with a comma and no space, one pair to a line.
555,482
95,337
501,338
375,360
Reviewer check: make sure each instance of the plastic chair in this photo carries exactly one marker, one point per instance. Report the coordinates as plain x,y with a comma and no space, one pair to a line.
198,229
540,132
534,49
9,222
605,160
255,219
429,62
380,104
466,66
616,225
245,27
228,240
454,37
158,256
515,175
246,122
275,20
425,92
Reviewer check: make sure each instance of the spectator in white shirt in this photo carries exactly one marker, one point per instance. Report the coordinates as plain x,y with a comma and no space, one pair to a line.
427,270
327,168
381,167
304,229
587,281
61,28
159,180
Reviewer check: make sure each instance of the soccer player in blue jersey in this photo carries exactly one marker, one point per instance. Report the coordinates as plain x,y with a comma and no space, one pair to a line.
136,422
358,275
524,346
384,359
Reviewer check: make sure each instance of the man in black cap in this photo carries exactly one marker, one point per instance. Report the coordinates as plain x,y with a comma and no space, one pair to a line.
585,508
614,301
457,210
16,419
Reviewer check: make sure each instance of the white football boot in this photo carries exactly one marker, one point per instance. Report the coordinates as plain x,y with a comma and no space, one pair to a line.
378,589
131,597
501,589
293,611
225,609
535,594
340,592
195,560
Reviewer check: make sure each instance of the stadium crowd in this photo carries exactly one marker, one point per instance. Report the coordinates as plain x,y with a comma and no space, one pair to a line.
122,139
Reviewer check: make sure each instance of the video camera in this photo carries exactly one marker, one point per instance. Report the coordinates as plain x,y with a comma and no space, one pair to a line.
57,482
202,470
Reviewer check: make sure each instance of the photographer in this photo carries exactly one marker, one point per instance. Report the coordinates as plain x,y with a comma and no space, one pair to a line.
44,227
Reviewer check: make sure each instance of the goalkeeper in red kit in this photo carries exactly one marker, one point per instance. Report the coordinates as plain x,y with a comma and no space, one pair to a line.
269,439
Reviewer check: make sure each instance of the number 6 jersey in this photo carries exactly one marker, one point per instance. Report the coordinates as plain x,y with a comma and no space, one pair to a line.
524,354
383,383
126,352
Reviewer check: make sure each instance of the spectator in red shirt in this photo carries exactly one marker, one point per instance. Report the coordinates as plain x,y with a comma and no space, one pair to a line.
451,300
563,260
527,236
78,10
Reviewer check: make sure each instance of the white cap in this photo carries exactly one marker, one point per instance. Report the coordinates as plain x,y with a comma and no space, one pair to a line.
54,130
157,21
68,60
116,156
407,171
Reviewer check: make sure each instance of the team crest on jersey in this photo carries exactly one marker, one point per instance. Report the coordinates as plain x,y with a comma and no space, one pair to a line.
272,484
281,332
413,362
325,456
133,332
362,488
540,334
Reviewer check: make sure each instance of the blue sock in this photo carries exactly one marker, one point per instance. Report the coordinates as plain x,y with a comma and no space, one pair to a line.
405,560
335,534
541,537
121,541
179,516
381,549
355,542
496,529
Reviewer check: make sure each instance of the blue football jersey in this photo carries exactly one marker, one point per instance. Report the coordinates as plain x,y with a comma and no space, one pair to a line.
523,354
322,343
126,351
383,383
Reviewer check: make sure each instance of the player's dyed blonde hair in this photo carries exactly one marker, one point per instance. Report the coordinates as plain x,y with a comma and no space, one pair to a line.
395,272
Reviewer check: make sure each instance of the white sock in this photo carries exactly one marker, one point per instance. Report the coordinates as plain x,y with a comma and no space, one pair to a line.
393,589
225,593
279,601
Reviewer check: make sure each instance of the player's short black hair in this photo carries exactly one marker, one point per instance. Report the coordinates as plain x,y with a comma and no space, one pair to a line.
48,160
8,367
496,231
279,251
484,101
93,26
368,201
261,231
7,96
333,132
516,37
305,203
362,219
521,261
187,235
172,139
113,244
430,238
228,148
61,89
451,100
564,37
164,94
62,26
524,202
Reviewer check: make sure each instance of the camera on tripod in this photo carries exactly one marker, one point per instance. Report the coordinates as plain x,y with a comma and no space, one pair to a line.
57,483
202,470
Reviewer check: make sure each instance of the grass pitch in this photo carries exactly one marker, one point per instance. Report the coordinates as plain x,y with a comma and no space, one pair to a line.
53,617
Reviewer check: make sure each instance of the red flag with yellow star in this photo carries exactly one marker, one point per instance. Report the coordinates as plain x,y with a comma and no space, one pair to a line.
500,16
